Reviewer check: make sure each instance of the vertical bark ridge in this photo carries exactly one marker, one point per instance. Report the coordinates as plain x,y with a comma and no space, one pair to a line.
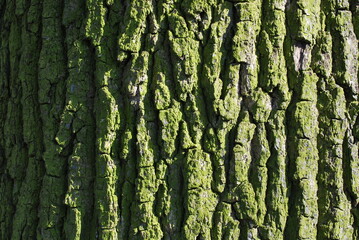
76,133
10,108
339,87
273,80
106,118
25,216
303,157
51,85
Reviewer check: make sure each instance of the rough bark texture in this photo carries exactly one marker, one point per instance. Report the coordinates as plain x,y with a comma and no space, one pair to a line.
179,119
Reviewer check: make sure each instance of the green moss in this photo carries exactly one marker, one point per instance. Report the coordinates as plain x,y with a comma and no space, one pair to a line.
212,120
107,118
259,173
145,224
146,184
260,106
242,160
306,20
194,113
277,188
178,25
210,141
227,227
244,42
305,115
186,140
200,206
345,51
186,50
199,169
249,11
213,57
228,107
245,130
162,94
200,201
145,152
246,205
193,9
322,58
162,82
134,26
170,120
95,21
308,86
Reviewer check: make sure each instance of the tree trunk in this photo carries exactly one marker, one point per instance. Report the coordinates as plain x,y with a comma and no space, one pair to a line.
179,119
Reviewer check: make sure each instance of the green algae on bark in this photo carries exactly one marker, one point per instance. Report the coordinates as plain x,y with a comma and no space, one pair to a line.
192,119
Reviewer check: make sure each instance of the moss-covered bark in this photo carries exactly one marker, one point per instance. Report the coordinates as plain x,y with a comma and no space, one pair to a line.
179,119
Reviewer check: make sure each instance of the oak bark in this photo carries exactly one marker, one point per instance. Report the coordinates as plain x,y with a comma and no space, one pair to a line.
179,119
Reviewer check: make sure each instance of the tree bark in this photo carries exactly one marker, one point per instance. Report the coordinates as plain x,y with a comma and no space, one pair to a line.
179,119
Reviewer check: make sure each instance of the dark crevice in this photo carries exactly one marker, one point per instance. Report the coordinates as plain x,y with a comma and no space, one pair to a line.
90,222
183,193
